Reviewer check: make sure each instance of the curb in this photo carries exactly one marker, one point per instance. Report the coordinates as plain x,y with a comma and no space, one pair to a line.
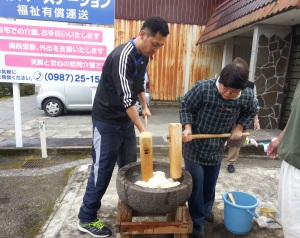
70,150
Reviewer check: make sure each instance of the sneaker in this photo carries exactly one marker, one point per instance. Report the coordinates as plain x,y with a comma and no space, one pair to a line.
209,217
230,168
199,232
95,228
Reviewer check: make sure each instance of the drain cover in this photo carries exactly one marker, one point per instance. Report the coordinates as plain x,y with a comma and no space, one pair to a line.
34,164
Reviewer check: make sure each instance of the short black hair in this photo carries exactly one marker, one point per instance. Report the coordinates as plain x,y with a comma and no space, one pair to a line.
234,75
156,24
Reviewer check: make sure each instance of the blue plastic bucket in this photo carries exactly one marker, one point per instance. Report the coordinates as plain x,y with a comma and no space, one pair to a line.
238,218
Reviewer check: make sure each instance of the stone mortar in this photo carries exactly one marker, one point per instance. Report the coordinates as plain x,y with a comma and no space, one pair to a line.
152,201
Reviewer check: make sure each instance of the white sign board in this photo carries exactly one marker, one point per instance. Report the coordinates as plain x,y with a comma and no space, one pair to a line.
32,53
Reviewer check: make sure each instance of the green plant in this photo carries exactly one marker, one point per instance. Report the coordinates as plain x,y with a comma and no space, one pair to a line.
1,92
27,89
179,98
6,88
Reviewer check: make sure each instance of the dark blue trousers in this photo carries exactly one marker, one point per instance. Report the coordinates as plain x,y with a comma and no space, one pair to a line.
111,144
203,193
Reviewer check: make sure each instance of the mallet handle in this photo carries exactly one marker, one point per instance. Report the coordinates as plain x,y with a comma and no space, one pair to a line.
146,123
207,136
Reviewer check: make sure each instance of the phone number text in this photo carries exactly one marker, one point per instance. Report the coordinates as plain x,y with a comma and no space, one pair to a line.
72,78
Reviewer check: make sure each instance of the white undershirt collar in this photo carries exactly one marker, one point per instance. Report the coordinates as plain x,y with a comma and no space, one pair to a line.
218,87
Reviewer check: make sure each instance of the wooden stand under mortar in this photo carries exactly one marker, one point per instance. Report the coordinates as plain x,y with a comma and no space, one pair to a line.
178,222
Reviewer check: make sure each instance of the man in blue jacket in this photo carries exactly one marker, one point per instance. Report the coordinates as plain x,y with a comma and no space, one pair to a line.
114,116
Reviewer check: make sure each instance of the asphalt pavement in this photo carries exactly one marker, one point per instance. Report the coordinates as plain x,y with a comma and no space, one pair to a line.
72,129
255,173
75,128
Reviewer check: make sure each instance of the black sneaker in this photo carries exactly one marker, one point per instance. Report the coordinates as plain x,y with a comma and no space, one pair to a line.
230,168
95,228
209,217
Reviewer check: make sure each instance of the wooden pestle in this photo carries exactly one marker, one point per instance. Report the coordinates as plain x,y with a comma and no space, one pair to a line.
146,153
175,150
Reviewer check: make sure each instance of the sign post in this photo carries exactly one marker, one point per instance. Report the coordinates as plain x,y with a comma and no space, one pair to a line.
17,114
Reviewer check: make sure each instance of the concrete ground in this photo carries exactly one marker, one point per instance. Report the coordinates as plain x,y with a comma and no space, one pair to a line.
46,200
49,198
58,189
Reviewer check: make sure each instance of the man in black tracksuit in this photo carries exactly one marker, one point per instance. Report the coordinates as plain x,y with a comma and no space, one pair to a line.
114,116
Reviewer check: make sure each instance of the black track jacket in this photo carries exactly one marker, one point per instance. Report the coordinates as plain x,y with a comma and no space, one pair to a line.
121,81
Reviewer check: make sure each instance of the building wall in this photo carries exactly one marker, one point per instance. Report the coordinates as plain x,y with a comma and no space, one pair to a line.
270,53
270,76
179,63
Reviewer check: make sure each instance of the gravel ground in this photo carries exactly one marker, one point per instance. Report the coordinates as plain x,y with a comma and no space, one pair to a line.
28,196
26,202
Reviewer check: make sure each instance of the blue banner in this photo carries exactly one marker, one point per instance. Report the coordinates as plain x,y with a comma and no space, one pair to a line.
78,11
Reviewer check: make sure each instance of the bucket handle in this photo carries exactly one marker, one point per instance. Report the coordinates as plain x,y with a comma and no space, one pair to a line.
253,213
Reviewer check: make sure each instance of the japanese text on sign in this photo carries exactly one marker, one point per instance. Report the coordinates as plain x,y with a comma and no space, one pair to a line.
37,52
81,11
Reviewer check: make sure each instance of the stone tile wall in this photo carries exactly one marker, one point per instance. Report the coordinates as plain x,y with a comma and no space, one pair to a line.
270,75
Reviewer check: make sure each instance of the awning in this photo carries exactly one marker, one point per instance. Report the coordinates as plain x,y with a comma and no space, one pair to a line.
232,15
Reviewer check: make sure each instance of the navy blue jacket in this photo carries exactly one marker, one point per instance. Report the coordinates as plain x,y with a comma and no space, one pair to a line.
122,79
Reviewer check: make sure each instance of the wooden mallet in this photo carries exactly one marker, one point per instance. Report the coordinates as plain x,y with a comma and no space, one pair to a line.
175,146
146,153
175,150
